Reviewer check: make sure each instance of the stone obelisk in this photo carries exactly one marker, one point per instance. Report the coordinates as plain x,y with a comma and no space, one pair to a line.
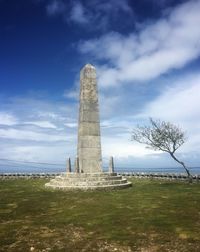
88,173
89,140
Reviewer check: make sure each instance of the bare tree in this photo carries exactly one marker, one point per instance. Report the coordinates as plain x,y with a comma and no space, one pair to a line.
161,135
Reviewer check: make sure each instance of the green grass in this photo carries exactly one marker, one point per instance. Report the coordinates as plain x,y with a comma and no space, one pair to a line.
151,216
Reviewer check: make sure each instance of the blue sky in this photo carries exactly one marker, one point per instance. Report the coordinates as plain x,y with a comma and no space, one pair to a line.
147,56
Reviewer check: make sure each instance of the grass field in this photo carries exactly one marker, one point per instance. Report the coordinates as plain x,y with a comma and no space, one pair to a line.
150,216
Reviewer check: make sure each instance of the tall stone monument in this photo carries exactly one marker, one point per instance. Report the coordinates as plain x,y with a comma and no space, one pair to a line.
88,172
89,142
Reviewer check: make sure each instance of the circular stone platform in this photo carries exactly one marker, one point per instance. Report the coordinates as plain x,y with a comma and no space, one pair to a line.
88,181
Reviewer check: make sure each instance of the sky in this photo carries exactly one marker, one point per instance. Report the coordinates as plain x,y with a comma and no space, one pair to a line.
147,57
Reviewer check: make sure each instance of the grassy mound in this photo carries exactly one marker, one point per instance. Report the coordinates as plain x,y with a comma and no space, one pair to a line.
151,216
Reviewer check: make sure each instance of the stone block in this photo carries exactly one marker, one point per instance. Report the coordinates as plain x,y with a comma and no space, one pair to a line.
89,142
89,116
89,129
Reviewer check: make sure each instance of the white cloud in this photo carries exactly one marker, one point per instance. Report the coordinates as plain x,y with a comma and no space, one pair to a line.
91,14
71,125
48,116
180,104
55,153
47,144
7,119
71,94
121,146
28,135
55,7
108,104
78,13
50,141
42,124
167,44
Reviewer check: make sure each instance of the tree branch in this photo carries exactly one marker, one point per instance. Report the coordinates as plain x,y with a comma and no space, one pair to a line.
161,135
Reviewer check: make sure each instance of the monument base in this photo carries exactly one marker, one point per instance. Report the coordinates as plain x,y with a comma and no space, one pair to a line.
88,181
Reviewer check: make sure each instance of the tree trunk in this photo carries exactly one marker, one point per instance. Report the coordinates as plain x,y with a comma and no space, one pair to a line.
180,162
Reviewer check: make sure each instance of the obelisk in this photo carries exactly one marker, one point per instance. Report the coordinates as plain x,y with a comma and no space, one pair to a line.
89,140
88,173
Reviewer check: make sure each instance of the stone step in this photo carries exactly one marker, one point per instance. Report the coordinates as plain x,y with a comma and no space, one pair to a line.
85,175
88,187
86,181
91,183
64,178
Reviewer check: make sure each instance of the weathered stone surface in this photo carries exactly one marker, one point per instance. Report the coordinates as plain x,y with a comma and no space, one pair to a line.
89,129
76,165
69,168
89,181
111,165
89,143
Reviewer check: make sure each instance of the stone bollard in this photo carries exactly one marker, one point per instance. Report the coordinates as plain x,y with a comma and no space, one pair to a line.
111,165
76,166
69,168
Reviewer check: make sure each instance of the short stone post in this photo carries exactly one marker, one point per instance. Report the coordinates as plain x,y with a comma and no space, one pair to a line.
111,165
69,167
76,166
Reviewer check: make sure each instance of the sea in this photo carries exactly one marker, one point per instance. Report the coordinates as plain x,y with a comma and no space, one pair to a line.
53,168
